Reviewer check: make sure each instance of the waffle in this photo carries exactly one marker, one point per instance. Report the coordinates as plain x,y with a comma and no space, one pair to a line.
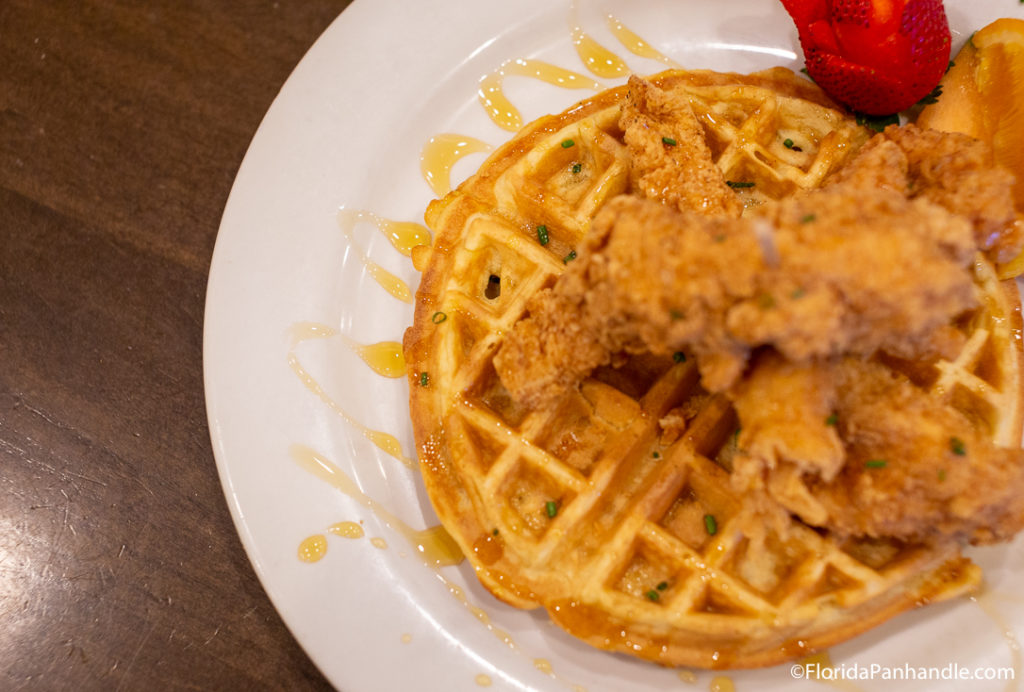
634,541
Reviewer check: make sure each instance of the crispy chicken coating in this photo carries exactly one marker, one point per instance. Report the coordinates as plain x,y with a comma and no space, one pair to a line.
857,448
670,160
950,169
916,467
819,275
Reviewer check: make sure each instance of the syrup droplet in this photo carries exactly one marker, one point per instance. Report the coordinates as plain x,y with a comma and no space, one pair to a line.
721,683
312,549
346,529
384,358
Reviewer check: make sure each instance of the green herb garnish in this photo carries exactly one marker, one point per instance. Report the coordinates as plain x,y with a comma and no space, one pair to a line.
438,317
832,420
566,143
738,184
542,235
875,463
710,524
679,357
788,143
424,379
668,141
577,167
570,257
653,595
551,507
957,446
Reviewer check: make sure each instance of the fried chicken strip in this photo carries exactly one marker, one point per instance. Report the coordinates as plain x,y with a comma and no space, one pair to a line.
916,467
855,447
671,162
800,277
952,170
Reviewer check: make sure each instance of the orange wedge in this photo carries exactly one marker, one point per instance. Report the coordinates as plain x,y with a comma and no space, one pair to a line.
983,96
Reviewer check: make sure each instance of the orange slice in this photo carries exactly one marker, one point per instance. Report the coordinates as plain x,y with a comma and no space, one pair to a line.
983,96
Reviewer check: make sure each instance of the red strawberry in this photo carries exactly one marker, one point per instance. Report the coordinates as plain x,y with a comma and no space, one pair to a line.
875,56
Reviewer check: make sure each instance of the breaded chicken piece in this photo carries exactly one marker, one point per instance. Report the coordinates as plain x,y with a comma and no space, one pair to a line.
916,468
950,169
671,162
856,448
787,422
816,276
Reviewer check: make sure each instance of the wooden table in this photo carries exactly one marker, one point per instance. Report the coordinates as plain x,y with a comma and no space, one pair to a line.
122,125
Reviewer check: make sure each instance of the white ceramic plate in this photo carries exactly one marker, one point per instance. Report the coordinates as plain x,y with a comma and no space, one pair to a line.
291,296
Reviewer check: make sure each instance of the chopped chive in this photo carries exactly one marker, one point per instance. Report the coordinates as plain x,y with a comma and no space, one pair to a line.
551,508
424,379
720,238
875,463
566,143
653,595
957,446
668,141
656,455
570,257
808,218
766,301
788,143
710,524
675,314
942,475
738,184
832,420
438,317
662,586
495,532
679,357
577,167
542,235
797,293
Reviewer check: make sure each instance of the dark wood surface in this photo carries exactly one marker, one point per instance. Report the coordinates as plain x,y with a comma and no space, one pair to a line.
122,125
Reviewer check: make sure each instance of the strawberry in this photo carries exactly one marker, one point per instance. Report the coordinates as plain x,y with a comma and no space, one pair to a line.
877,57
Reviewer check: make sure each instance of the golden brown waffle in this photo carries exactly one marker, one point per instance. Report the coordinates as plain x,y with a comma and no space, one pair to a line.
633,539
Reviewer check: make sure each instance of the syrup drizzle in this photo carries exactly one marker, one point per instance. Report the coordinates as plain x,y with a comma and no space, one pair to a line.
433,545
385,357
492,93
441,153
385,441
636,45
986,600
403,236
598,59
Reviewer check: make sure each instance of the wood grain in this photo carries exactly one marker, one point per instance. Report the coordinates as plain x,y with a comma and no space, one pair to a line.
122,125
